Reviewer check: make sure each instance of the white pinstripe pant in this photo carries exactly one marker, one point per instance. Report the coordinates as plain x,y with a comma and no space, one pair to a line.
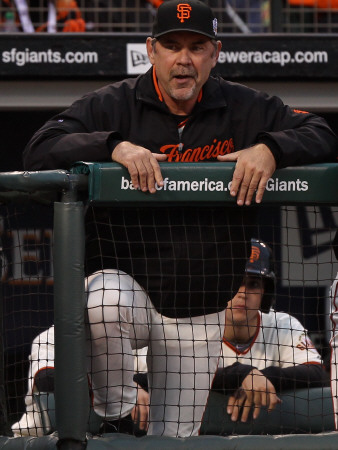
182,355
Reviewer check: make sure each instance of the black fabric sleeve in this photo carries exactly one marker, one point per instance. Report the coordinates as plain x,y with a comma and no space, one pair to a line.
230,378
77,134
112,142
44,380
142,380
302,376
294,137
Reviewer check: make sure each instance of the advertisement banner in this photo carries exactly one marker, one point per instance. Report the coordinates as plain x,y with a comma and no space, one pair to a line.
118,55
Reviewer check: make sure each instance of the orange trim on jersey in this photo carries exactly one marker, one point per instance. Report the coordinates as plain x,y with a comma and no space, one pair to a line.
252,342
302,2
322,4
157,89
313,362
182,124
299,111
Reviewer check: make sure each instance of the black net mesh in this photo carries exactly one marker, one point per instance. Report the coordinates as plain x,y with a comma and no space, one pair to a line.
188,262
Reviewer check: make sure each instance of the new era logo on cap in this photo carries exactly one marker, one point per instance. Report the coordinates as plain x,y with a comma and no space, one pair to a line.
191,15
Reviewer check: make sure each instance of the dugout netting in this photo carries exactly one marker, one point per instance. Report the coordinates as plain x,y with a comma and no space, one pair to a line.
114,227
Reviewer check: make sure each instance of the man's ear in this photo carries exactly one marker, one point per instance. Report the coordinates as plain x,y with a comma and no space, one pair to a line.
150,50
218,49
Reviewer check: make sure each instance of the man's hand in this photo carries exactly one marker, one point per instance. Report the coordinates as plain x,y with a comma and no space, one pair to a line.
140,413
254,166
142,165
257,391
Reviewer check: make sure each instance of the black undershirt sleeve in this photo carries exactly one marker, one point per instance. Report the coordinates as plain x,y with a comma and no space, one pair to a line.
230,378
141,379
302,376
44,380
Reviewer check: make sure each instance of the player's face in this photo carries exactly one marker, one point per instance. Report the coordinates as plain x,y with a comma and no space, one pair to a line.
183,61
242,309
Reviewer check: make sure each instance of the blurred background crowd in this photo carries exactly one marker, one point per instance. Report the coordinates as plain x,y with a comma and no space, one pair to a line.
235,16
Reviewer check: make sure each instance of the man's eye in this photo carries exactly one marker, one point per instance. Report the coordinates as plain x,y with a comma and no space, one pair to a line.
172,47
253,285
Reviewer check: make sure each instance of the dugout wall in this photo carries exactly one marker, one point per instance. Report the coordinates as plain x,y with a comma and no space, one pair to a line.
107,185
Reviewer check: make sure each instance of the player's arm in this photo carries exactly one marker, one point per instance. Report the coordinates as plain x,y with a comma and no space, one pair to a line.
140,413
256,391
229,379
301,376
300,364
247,387
80,133
58,145
286,138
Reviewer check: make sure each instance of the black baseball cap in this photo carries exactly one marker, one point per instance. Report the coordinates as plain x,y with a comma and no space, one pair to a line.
190,15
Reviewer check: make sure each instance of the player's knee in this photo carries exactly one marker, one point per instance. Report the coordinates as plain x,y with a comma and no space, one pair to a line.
111,294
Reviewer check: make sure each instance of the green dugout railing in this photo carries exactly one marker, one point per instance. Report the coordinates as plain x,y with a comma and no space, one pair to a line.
109,184
209,182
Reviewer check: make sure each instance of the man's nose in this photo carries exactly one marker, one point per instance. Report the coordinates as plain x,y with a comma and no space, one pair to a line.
184,56
241,292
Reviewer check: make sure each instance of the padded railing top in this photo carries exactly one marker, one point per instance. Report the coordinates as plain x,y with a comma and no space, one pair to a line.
209,182
109,183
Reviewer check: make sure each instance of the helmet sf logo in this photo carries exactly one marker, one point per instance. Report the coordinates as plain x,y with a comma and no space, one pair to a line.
255,252
183,11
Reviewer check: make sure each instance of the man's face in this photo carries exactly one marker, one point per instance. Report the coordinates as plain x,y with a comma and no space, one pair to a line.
183,61
242,309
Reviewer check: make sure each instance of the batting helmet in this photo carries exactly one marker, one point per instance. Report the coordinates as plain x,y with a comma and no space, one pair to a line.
261,264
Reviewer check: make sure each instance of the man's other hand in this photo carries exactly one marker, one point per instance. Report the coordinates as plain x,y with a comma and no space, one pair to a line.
254,166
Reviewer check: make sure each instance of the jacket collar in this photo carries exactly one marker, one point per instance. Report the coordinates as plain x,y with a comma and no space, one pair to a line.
212,95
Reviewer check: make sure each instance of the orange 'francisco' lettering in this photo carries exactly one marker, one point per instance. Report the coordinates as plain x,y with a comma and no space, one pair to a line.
198,153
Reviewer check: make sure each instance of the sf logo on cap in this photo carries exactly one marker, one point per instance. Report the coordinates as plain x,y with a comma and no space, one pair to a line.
183,11
255,252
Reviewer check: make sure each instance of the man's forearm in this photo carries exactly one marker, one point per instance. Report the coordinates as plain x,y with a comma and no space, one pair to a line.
297,377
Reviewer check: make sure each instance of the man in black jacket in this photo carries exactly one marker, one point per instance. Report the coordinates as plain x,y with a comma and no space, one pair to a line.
167,290
178,112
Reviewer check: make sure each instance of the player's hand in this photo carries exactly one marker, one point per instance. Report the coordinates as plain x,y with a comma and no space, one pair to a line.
140,412
256,391
254,166
142,165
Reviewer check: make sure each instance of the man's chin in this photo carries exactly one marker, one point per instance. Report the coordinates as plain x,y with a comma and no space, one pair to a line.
183,94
